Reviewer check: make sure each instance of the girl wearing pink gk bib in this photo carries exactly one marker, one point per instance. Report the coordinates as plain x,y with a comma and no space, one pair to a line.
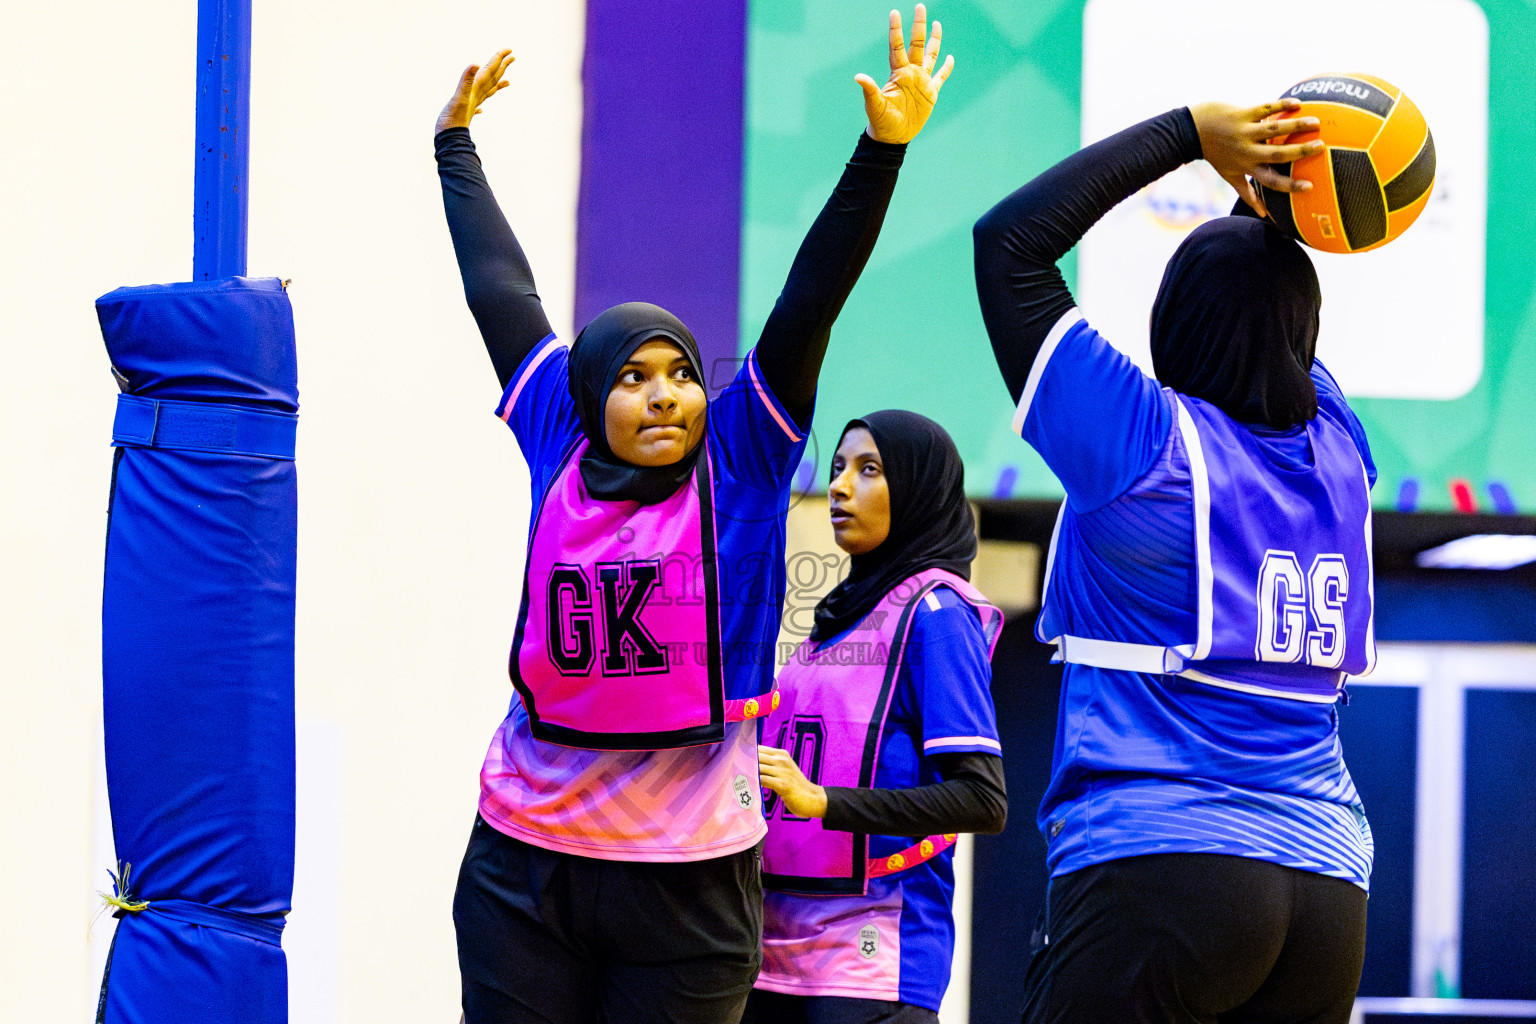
884,744
613,872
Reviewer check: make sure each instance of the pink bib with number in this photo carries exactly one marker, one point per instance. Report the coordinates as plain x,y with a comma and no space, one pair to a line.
835,699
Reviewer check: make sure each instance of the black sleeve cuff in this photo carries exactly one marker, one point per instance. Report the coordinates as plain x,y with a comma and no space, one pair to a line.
872,152
451,140
1183,124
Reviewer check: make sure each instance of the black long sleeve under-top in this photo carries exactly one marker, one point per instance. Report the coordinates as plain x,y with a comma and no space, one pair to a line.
1020,239
498,282
971,798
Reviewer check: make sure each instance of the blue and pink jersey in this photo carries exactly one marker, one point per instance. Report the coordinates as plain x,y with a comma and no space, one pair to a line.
647,631
1209,585
869,917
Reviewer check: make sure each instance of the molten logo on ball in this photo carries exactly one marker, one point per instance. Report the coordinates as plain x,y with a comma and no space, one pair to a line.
1375,174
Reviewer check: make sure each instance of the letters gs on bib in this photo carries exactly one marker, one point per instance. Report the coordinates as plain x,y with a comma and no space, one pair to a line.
623,589
1301,614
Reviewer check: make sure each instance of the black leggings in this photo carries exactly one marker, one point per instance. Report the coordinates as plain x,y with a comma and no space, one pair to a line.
1197,939
552,938
765,1007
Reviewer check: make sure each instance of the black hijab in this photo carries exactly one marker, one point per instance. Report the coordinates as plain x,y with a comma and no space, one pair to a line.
1235,322
600,351
931,522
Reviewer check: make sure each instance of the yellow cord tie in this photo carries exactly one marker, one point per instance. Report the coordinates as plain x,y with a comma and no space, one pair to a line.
121,895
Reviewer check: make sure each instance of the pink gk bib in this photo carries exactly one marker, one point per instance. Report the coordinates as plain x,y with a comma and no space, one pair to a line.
618,638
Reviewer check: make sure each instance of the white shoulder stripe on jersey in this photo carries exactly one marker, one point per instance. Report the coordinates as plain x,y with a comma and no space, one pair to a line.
1069,320
1205,578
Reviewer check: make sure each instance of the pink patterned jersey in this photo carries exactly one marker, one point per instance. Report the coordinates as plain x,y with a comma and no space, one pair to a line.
689,803
835,945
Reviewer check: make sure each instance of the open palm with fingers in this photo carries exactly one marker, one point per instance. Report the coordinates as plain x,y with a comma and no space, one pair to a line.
477,83
1236,141
898,109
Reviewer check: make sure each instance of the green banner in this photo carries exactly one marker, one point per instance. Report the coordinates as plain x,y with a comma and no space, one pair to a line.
911,336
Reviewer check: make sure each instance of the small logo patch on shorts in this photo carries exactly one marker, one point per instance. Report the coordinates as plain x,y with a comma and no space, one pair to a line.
869,942
743,790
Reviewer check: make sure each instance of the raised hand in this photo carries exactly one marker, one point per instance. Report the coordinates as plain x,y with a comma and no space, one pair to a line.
898,110
1235,141
478,83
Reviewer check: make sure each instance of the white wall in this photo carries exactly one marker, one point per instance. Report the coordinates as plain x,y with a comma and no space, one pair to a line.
96,177
413,499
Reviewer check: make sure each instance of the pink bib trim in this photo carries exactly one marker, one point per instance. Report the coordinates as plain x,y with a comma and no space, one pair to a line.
911,857
748,708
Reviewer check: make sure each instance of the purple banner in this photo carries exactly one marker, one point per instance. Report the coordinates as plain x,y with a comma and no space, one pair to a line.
659,216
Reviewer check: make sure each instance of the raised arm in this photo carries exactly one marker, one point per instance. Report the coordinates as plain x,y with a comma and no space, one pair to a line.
1019,240
498,283
794,340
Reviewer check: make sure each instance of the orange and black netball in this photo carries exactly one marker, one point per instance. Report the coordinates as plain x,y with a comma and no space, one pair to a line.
1375,175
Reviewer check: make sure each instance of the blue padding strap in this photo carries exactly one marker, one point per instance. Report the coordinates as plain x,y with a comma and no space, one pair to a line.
203,427
262,929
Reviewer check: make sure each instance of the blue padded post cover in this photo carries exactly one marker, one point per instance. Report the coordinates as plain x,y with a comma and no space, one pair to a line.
197,650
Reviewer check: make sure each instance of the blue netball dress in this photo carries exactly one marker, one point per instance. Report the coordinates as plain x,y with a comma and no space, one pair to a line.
1209,587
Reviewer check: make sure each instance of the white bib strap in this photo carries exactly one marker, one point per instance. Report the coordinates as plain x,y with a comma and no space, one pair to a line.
1112,654
1155,660
1266,691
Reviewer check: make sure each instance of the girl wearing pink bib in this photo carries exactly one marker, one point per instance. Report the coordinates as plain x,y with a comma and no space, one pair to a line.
883,746
613,872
